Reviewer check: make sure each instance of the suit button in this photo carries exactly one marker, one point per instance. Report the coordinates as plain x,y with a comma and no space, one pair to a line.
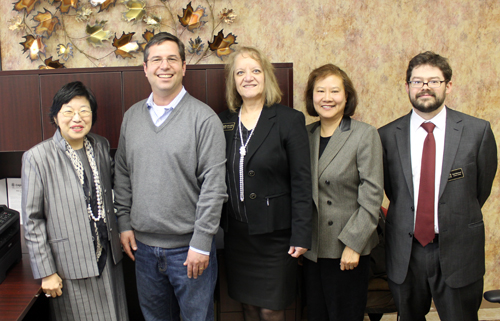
327,182
330,223
329,202
253,196
111,229
251,173
412,208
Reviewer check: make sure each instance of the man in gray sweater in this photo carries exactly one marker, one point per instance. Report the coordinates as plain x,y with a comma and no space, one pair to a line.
169,190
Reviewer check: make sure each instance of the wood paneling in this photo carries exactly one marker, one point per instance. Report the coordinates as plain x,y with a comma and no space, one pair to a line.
135,88
20,125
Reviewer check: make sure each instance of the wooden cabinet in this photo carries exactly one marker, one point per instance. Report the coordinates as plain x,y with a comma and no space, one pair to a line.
26,97
20,126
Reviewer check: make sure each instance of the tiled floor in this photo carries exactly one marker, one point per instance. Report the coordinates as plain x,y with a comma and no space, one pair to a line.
487,314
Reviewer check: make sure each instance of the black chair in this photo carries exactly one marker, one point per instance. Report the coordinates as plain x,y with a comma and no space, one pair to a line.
492,296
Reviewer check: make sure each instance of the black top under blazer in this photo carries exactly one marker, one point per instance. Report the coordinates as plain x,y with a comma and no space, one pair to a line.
277,173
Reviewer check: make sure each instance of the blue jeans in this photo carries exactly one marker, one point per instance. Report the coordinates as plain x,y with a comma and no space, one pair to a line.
165,291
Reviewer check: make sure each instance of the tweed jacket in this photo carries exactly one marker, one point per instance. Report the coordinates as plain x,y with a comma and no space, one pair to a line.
347,184
54,210
277,173
468,169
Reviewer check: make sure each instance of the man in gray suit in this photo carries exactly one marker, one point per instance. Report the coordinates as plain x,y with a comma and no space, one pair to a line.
439,166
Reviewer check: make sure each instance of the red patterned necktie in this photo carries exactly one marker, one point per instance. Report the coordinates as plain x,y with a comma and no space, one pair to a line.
424,224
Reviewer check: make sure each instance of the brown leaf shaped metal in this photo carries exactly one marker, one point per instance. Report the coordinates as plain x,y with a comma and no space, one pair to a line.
191,19
124,46
49,64
47,23
67,4
222,45
35,46
147,35
106,4
29,5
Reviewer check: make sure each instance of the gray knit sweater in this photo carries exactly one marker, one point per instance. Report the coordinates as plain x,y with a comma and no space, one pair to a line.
170,180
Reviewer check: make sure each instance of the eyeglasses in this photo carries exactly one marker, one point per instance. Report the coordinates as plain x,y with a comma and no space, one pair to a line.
71,113
430,83
172,60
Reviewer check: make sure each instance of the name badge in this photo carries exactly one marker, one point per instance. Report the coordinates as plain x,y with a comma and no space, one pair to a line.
228,126
456,174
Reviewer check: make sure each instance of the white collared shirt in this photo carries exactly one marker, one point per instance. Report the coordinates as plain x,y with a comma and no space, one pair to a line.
160,113
417,138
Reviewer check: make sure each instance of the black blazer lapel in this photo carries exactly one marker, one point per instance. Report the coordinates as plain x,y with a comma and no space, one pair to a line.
454,127
403,147
264,125
314,145
231,121
335,144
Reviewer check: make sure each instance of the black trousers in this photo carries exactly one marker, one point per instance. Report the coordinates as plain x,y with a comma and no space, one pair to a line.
333,294
425,282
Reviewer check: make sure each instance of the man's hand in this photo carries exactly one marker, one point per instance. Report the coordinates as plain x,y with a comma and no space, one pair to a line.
349,260
52,285
296,251
127,239
196,263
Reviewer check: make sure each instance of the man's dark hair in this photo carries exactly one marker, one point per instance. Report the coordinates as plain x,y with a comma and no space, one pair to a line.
431,59
161,38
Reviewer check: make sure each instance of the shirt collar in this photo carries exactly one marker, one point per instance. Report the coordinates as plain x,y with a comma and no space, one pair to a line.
439,120
160,109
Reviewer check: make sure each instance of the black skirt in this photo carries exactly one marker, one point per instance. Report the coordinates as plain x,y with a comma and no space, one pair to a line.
260,271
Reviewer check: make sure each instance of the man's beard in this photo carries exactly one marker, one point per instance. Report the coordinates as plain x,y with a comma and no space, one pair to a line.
425,107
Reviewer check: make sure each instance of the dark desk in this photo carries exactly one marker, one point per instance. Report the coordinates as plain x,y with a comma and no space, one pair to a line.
19,291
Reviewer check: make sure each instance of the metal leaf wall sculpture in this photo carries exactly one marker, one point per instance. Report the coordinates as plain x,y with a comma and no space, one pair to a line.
38,21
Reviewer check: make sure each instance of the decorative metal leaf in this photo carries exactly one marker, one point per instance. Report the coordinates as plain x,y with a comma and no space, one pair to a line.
104,4
49,64
136,10
65,51
152,20
147,35
17,23
67,4
196,46
83,14
35,46
97,34
124,46
192,19
47,23
29,5
222,45
227,15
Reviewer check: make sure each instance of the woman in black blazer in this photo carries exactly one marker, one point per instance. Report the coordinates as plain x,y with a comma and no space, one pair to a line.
267,220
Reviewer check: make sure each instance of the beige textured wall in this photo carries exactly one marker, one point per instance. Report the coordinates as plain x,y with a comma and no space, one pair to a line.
371,40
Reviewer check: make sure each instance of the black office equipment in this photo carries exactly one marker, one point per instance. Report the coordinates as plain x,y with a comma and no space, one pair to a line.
10,240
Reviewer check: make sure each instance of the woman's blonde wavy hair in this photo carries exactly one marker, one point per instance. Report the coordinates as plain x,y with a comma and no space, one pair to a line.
272,92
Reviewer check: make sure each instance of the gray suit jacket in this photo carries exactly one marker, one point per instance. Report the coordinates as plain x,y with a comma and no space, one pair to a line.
347,189
56,221
468,169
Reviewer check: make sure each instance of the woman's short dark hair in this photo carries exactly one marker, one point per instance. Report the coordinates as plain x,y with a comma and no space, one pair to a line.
326,71
66,94
160,38
432,59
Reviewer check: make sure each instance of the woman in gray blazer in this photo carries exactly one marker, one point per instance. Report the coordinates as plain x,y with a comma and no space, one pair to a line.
347,184
69,221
